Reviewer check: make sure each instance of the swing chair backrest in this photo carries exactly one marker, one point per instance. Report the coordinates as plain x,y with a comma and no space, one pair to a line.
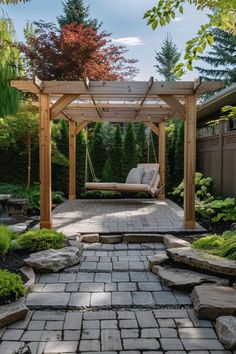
152,166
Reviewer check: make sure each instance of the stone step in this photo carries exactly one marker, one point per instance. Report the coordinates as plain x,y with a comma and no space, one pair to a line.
202,260
181,278
212,301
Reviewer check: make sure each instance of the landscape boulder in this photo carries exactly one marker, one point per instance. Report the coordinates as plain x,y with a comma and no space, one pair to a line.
159,258
10,313
212,301
226,330
54,260
110,239
90,238
171,241
146,238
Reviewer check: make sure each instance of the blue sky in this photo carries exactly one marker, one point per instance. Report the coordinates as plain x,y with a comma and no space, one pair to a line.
123,18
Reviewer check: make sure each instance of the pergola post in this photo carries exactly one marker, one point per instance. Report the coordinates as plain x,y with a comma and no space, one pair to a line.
45,162
162,158
72,160
190,161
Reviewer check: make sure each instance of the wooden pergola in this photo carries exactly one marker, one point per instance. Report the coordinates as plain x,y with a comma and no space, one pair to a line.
82,102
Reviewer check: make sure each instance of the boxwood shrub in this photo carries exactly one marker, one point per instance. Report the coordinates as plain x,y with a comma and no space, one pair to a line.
11,286
39,240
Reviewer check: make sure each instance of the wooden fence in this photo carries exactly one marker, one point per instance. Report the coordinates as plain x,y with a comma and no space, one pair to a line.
216,157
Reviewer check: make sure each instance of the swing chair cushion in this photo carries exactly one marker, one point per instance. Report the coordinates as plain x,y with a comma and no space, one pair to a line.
102,186
135,175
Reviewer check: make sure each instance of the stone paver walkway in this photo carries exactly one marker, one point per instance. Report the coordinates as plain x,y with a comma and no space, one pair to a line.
110,303
112,216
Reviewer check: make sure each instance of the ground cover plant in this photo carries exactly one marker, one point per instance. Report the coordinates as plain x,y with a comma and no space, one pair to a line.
38,240
220,245
6,236
11,287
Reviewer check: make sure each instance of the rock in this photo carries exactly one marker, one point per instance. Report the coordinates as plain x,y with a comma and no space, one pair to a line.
212,301
171,241
137,238
74,237
54,260
226,330
159,258
202,260
90,238
110,239
10,313
174,277
29,274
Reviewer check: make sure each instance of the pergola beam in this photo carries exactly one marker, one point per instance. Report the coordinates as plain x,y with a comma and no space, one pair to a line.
61,103
174,104
153,127
81,127
150,84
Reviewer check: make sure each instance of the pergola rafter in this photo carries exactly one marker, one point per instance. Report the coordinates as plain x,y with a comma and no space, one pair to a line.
90,101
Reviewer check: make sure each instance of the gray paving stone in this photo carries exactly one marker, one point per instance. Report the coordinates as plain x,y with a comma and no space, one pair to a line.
196,321
146,319
129,333
183,322
67,278
85,277
104,267
72,335
37,347
88,266
7,347
100,315
166,322
111,340
168,332
109,324
127,287
138,276
72,287
101,299
136,266
149,286
120,277
121,298
164,298
89,345
120,266
91,287
128,323
12,334
203,344
171,344
54,325
49,315
37,325
49,278
102,277
126,315
111,286
61,347
91,334
141,344
54,300
23,323
197,333
143,298
183,299
91,324
150,333
41,336
73,321
170,313
79,300
53,288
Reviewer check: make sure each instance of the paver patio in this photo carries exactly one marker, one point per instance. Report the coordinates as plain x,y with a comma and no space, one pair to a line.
110,303
119,215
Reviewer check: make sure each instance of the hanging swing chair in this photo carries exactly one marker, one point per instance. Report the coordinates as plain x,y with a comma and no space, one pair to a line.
143,178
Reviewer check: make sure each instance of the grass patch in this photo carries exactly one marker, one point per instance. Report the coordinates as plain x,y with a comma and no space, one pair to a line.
6,236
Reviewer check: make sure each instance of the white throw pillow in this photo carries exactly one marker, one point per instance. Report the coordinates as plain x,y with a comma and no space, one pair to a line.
149,177
135,175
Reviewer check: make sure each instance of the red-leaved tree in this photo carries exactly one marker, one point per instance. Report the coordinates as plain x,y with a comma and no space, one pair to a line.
73,53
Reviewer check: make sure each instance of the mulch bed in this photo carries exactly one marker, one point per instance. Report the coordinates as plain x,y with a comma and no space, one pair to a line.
13,261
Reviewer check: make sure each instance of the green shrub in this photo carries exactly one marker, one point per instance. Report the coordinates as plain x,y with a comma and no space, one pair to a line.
96,194
208,242
38,240
217,210
228,249
11,286
6,236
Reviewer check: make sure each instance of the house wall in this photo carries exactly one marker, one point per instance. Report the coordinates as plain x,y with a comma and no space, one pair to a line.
216,157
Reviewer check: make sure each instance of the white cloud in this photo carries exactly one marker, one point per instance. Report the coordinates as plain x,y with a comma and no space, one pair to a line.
134,41
178,19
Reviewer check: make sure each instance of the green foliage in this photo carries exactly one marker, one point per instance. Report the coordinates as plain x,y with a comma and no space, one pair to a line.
209,242
179,153
14,2
97,194
38,240
228,249
129,150
116,155
171,135
203,188
222,16
80,161
6,236
11,286
76,11
221,59
141,142
107,173
98,151
167,58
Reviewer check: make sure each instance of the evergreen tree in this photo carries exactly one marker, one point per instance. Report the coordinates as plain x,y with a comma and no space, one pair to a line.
171,135
179,154
98,151
80,161
130,157
167,58
10,68
221,58
141,143
107,173
116,156
76,11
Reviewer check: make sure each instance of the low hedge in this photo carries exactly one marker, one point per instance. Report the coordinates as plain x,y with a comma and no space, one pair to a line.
11,286
39,240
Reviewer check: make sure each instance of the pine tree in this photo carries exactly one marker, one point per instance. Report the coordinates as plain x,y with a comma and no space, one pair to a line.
116,156
10,68
130,157
141,143
167,58
76,11
179,154
98,151
221,58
